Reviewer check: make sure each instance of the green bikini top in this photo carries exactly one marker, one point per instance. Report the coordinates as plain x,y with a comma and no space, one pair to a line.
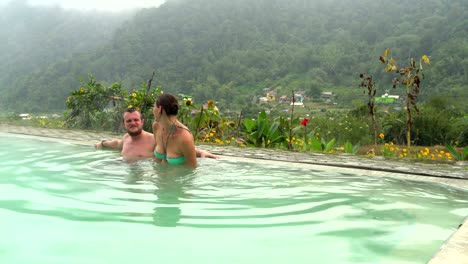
175,161
163,156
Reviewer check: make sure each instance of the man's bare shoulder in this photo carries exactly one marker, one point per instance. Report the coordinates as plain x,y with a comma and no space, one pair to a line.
125,136
144,135
147,134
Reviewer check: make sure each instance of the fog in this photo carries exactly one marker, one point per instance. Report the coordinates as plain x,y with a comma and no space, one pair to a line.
102,5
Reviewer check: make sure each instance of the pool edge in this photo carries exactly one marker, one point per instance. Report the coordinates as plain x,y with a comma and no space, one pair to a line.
455,248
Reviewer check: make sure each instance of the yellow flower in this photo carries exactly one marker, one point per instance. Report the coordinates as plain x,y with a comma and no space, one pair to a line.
426,60
404,150
382,135
134,95
211,103
189,102
130,106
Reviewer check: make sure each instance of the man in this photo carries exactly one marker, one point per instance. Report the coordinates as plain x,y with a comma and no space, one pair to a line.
137,143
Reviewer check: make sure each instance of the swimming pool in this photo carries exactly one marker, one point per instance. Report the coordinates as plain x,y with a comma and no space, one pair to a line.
66,203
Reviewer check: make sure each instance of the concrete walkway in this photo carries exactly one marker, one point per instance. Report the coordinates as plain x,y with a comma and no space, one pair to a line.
455,250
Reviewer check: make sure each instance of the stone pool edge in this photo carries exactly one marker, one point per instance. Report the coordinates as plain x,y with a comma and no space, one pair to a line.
452,251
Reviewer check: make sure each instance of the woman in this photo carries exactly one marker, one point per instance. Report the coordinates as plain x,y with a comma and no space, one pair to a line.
174,141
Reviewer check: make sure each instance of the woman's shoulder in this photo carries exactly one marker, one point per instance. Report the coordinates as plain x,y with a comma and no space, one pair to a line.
182,131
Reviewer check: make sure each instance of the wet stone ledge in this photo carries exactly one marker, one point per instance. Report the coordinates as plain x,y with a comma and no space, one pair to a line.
458,170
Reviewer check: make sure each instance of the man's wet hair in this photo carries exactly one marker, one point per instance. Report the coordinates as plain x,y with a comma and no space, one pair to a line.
131,110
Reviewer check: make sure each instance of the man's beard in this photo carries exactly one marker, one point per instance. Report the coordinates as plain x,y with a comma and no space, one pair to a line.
136,133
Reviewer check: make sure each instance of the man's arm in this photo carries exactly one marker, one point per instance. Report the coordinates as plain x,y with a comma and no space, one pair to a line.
113,144
205,154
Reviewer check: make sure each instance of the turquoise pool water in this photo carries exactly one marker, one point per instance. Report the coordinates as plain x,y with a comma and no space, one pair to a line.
64,203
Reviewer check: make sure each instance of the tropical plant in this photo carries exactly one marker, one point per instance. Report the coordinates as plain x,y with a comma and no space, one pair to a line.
87,104
457,155
349,148
411,77
261,133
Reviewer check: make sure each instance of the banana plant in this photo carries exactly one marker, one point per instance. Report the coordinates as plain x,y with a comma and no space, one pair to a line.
262,133
321,144
349,148
458,156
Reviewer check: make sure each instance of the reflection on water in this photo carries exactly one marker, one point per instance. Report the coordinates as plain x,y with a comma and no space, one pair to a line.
170,183
221,204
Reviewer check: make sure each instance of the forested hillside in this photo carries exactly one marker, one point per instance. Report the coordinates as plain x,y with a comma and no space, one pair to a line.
230,50
36,40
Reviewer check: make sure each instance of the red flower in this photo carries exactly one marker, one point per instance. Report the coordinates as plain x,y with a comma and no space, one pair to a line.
305,121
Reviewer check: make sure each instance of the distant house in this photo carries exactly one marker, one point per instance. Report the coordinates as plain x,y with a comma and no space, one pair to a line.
271,96
24,116
391,96
387,98
327,95
300,104
299,97
283,98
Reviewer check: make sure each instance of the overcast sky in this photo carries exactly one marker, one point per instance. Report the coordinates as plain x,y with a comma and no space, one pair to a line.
109,5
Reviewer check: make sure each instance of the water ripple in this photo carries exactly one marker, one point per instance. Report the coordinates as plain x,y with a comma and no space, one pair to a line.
80,185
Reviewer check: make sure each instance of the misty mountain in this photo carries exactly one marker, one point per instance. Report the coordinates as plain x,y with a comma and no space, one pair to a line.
33,38
230,50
